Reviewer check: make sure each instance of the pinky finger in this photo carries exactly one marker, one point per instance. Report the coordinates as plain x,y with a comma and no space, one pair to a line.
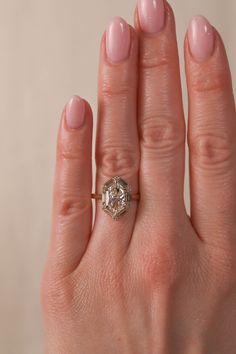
72,207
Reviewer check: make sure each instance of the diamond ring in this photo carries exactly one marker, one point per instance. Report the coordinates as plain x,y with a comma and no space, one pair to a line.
116,197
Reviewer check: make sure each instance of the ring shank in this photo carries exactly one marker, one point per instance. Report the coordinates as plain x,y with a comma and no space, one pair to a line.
96,196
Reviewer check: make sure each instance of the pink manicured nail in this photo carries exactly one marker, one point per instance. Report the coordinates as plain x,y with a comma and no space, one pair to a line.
201,38
75,112
117,39
151,15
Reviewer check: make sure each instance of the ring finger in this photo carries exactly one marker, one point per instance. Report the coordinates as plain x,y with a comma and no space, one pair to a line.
117,145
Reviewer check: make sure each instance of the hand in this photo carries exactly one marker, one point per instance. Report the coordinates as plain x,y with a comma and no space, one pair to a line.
155,281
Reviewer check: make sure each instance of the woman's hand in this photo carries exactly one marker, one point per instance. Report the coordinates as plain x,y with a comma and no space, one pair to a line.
155,281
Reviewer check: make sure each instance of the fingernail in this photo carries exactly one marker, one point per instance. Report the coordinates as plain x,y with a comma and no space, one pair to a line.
201,38
75,112
117,39
151,15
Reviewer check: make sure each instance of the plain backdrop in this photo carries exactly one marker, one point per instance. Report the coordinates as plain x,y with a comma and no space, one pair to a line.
48,52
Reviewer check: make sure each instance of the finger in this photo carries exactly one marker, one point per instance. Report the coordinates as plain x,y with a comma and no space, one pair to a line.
117,147
72,213
161,118
212,131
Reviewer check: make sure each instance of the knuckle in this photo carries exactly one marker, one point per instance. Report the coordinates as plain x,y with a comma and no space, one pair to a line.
160,266
152,61
120,90
161,135
214,83
70,150
69,207
211,150
112,161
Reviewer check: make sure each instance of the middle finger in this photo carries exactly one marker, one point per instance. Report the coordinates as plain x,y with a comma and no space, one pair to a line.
161,117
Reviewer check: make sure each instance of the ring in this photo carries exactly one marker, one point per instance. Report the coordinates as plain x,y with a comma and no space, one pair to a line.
116,197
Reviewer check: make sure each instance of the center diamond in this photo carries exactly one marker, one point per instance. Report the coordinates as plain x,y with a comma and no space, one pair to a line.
116,197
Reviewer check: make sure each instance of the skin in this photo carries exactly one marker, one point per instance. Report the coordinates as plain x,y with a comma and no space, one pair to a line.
157,280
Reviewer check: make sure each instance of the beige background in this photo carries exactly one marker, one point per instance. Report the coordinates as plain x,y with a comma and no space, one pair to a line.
49,51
